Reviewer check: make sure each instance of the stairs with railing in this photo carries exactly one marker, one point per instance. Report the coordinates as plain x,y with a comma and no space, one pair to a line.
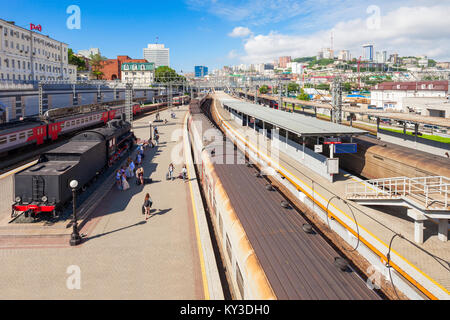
428,193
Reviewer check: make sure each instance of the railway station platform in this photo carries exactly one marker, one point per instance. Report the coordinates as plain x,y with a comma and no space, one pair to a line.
122,256
425,265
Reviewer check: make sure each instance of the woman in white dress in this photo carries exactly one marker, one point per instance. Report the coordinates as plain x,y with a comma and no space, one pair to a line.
125,184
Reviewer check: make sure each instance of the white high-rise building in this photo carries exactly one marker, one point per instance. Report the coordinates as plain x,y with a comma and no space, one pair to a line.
87,53
157,54
344,55
296,67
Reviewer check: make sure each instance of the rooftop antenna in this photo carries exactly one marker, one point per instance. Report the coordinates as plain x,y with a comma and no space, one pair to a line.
331,40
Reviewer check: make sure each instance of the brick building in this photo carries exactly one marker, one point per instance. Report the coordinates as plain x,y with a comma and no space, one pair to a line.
283,61
111,68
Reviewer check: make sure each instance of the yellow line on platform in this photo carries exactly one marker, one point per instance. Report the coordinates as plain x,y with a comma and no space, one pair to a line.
7,174
197,229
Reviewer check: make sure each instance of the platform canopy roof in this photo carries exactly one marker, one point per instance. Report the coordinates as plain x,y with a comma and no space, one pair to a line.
293,122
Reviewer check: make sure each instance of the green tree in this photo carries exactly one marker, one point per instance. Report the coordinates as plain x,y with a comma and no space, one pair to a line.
323,86
303,96
431,63
264,89
347,86
293,87
76,61
304,59
165,74
96,61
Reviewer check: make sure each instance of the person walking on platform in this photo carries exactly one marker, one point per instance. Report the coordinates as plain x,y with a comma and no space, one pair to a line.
184,173
147,206
140,175
138,159
156,139
171,169
130,169
140,151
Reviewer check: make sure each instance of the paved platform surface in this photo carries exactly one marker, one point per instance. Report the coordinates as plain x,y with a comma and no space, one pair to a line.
122,256
382,224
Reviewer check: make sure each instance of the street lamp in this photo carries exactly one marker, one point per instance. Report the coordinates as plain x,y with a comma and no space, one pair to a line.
75,238
150,124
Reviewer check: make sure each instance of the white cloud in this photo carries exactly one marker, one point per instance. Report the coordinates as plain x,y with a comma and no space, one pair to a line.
232,54
240,32
406,30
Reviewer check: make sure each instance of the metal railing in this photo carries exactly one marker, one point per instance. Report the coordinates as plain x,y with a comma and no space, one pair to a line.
433,192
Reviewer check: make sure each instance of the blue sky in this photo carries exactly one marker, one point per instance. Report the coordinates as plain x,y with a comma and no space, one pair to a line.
200,32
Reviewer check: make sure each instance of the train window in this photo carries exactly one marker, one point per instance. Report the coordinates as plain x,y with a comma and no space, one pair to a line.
22,135
90,118
30,133
2,140
73,122
78,121
12,137
240,281
230,255
62,125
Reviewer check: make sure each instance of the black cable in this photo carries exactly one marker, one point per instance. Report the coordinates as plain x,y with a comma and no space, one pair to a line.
357,227
354,217
329,200
388,256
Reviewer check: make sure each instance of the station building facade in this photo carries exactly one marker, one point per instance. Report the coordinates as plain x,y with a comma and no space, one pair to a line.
424,97
26,55
138,73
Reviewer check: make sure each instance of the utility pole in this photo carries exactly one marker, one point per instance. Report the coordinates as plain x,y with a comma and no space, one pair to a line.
280,97
170,96
41,111
129,102
336,90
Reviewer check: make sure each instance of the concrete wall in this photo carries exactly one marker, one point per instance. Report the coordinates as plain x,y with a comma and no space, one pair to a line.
108,96
61,101
417,143
305,156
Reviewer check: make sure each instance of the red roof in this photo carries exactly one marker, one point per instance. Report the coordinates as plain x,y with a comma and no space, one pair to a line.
413,85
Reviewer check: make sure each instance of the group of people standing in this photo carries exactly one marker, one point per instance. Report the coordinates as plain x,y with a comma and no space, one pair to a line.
128,171
183,173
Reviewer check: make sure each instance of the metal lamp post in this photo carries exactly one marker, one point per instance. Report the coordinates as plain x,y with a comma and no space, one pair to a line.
75,238
150,124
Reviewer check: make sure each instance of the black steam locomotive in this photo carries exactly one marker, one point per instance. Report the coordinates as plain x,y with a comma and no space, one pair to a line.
44,187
